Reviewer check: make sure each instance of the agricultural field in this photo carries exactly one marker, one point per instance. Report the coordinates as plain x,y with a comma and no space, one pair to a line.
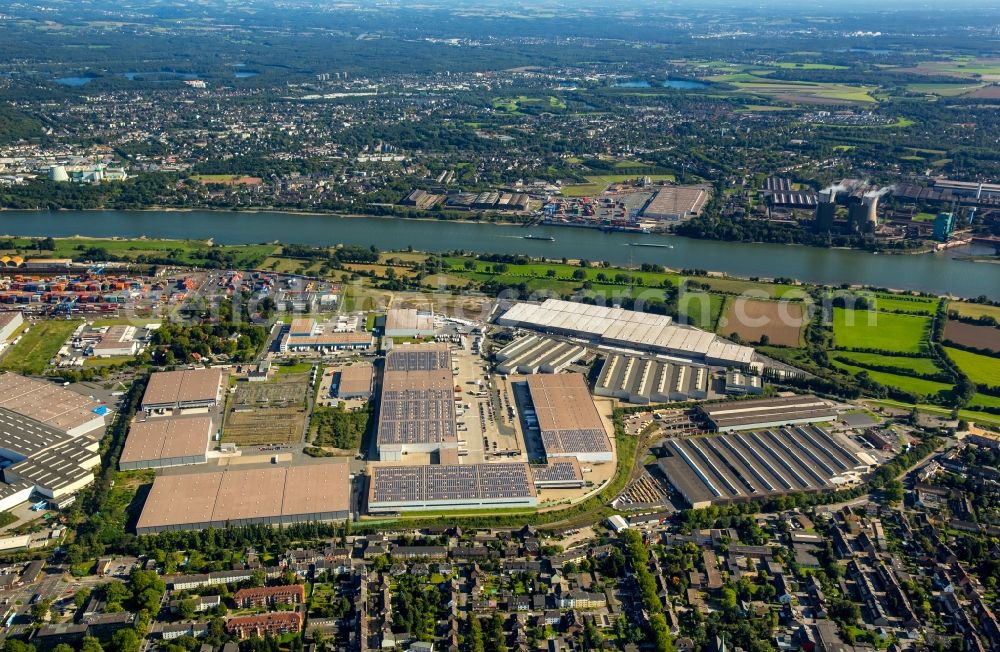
780,321
287,389
981,369
38,346
918,386
701,309
864,329
984,401
974,310
903,303
978,337
918,366
259,426
268,413
943,90
739,286
800,92
797,65
991,92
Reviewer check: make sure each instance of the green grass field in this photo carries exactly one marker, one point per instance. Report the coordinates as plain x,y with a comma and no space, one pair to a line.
943,90
38,346
862,329
984,400
597,183
922,366
191,252
981,369
899,303
514,104
795,91
910,384
796,65
701,309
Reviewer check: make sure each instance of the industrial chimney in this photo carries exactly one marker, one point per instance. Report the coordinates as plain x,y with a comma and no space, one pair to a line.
872,213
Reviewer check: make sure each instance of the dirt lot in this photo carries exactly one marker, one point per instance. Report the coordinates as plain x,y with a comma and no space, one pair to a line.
265,426
781,321
284,390
980,337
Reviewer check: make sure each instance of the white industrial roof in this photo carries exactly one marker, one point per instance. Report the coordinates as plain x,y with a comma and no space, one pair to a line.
625,327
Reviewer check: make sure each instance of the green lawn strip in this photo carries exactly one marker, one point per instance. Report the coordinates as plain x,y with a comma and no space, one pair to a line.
896,303
984,400
905,383
862,329
296,368
38,346
536,275
919,366
739,286
981,369
520,273
968,415
190,252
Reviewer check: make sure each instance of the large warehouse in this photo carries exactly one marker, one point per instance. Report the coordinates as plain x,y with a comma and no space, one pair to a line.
629,329
644,380
408,322
465,486
739,466
674,203
768,412
186,389
48,403
355,381
568,420
50,434
269,496
535,354
417,410
171,441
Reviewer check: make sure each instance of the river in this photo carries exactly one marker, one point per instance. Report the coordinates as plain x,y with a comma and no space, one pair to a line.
938,273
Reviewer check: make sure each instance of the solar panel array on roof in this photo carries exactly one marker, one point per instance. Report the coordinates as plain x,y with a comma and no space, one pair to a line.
558,472
418,360
567,418
417,416
418,404
399,486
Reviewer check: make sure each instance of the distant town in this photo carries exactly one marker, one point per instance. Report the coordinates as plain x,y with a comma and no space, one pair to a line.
551,327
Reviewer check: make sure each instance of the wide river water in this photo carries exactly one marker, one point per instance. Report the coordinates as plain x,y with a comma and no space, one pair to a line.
939,273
